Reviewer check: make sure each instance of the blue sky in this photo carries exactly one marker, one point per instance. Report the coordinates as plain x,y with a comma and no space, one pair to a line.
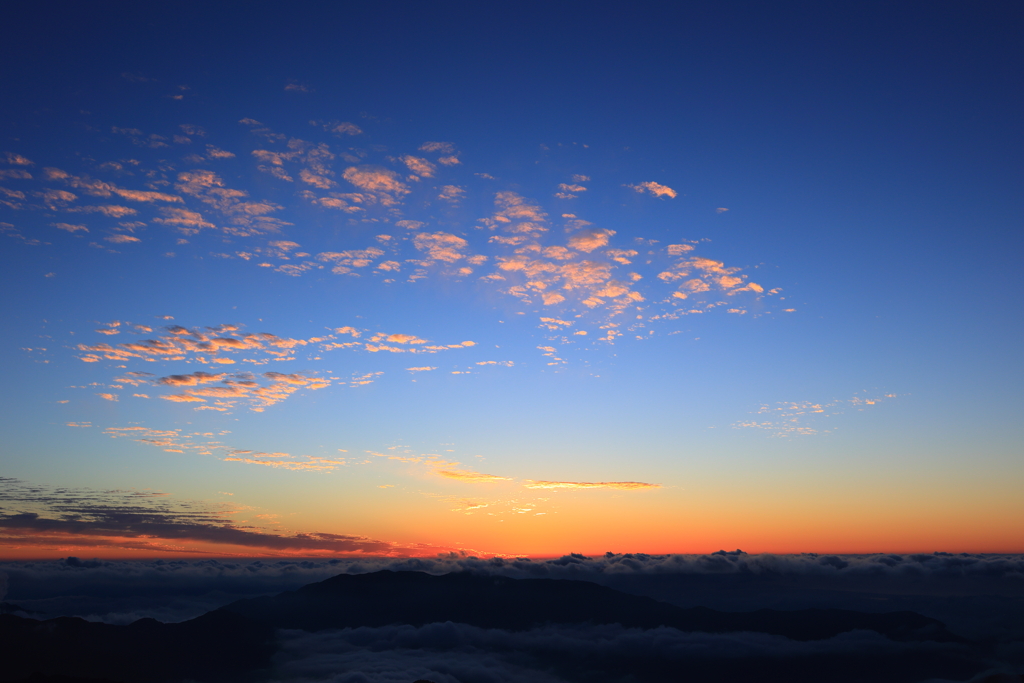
790,234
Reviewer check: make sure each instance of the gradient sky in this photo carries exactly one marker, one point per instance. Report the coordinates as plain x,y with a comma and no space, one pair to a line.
406,278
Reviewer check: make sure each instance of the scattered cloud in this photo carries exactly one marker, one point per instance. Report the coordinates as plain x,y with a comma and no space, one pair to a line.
419,166
804,418
470,476
69,227
122,239
17,159
654,189
381,182
41,516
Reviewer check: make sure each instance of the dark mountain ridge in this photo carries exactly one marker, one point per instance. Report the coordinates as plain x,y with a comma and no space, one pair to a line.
416,598
235,642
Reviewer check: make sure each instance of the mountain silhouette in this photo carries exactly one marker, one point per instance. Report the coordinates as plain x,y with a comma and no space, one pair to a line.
216,646
236,642
416,598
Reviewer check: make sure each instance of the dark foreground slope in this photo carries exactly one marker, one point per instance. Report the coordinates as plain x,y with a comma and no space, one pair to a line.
416,598
237,643
216,646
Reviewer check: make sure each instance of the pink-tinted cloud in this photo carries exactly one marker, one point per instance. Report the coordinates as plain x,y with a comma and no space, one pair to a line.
17,160
243,387
654,189
69,227
516,215
217,153
442,246
589,240
567,191
122,239
204,345
439,147
339,128
419,166
451,193
111,210
188,222
384,184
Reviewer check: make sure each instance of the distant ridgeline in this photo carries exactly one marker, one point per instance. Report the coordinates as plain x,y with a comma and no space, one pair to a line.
236,642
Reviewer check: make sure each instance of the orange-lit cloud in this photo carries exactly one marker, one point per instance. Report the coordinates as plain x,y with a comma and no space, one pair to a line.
653,188
384,184
470,476
68,227
419,166
442,246
43,517
622,485
589,240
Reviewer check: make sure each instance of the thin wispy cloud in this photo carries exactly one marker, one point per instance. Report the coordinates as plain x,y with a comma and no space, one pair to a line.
654,189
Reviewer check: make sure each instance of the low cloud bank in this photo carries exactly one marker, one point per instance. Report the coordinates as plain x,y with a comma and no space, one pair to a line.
458,653
975,595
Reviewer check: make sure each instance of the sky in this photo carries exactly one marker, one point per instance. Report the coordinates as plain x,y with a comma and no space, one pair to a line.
515,279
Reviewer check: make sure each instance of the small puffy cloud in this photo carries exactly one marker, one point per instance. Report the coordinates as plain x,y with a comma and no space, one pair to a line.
297,87
589,240
451,193
108,397
338,127
679,249
191,379
15,173
111,210
68,227
189,222
380,181
517,216
442,246
439,147
419,166
565,191
621,485
654,189
404,339
318,181
17,160
122,239
183,398
141,196
425,368
217,153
